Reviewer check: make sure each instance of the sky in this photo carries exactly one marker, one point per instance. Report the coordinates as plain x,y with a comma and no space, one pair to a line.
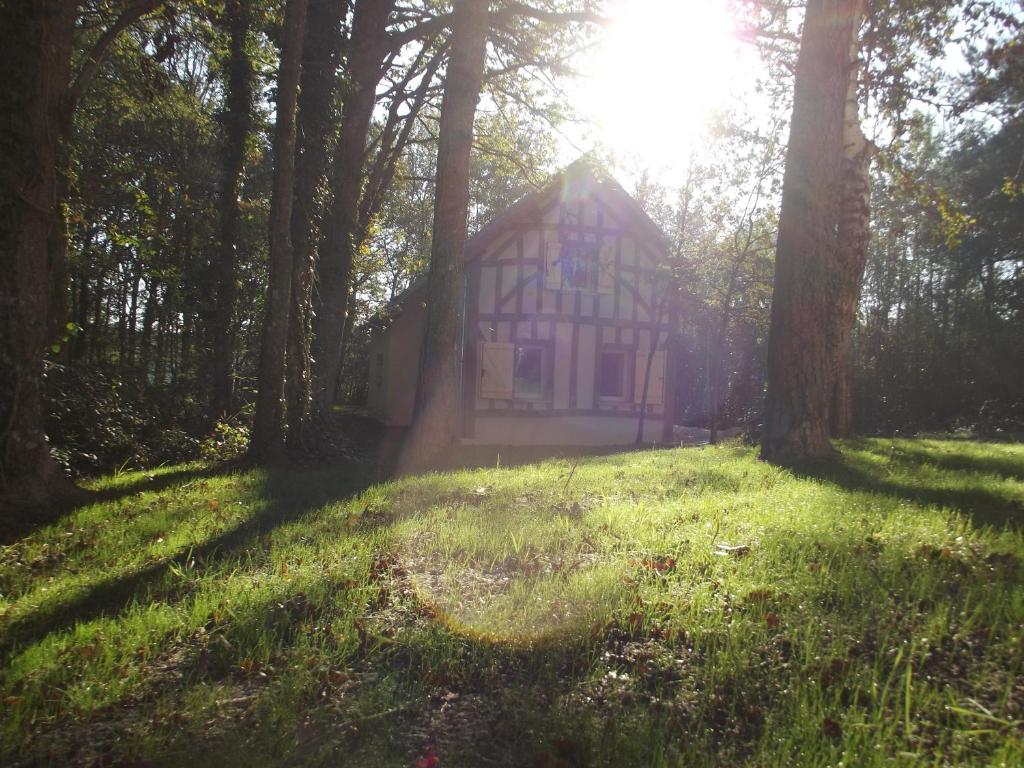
653,81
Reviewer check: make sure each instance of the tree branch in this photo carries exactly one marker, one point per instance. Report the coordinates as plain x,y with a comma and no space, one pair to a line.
94,58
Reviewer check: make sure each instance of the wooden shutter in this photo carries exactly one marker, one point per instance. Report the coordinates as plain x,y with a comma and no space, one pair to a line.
606,268
496,364
656,387
552,269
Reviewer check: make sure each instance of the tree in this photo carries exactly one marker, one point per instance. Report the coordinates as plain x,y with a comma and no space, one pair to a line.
35,62
267,436
434,426
315,110
852,235
800,359
237,125
38,97
368,44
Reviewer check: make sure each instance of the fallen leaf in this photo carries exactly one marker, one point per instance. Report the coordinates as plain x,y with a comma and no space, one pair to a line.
739,550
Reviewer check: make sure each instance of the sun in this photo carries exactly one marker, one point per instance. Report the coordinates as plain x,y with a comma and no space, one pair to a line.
657,75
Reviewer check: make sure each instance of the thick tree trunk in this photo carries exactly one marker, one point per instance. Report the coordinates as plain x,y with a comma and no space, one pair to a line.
854,236
237,124
35,61
319,77
337,244
267,436
435,425
800,358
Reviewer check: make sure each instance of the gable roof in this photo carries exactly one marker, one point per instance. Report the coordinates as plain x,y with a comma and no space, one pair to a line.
582,178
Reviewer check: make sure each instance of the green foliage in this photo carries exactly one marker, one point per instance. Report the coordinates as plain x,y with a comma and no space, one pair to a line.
683,607
940,343
100,421
228,441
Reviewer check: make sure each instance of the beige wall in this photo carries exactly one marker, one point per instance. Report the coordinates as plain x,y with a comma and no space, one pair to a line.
394,363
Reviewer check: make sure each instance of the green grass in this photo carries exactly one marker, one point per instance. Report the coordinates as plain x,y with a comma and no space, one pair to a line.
680,607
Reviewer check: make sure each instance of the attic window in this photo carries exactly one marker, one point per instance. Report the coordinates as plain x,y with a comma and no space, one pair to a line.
580,265
579,262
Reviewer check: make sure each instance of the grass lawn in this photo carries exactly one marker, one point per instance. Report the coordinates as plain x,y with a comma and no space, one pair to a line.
677,607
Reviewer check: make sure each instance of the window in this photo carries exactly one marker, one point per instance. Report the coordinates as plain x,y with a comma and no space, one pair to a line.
578,265
514,371
611,374
528,374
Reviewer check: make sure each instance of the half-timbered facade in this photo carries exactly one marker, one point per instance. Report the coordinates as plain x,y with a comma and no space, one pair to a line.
566,320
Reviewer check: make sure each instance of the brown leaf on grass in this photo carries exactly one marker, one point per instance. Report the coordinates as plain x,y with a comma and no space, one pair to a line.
759,596
831,728
85,652
738,550
664,564
772,620
635,622
833,672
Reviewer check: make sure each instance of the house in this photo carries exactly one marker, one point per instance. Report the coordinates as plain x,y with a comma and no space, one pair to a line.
563,303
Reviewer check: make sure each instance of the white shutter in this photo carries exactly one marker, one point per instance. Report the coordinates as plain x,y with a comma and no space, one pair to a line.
606,269
656,387
496,363
552,269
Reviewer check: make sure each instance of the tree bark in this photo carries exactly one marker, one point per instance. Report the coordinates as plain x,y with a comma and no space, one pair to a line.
337,244
854,235
237,125
800,357
316,94
267,436
35,60
659,316
435,423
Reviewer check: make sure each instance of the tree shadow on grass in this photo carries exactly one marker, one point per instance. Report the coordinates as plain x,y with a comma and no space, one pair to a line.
13,528
965,492
290,493
915,453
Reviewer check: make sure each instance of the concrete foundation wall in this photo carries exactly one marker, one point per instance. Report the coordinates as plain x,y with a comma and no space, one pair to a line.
562,430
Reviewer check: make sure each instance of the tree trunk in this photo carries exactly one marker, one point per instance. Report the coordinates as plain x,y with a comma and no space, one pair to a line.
854,235
237,124
800,359
435,423
35,62
648,363
337,243
319,64
267,436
